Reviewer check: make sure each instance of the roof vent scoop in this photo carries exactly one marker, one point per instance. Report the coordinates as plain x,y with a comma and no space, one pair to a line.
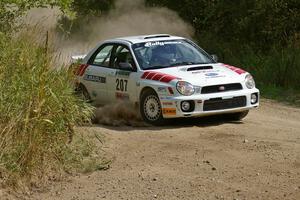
156,36
199,68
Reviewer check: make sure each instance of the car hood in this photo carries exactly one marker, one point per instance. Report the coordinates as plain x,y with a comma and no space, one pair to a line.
208,74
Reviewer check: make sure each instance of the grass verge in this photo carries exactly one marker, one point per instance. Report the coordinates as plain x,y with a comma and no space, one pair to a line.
38,114
283,95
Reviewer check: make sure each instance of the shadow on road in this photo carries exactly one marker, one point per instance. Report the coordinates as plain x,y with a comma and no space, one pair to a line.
175,123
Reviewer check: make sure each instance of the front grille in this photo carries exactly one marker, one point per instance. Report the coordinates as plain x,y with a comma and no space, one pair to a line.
221,88
222,104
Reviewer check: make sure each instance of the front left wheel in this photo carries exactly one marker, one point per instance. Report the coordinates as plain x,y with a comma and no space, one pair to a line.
150,108
237,116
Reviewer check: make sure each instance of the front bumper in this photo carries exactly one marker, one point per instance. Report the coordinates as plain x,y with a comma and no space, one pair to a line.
171,105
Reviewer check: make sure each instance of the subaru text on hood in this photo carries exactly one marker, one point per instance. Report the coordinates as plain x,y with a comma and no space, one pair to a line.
167,76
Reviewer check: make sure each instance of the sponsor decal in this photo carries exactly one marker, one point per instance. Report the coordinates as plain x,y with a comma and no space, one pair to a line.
162,90
151,44
170,91
169,111
211,74
166,98
157,76
205,71
122,96
167,103
123,73
214,75
235,69
199,72
93,78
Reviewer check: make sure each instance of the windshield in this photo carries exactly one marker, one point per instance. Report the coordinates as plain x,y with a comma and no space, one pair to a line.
170,53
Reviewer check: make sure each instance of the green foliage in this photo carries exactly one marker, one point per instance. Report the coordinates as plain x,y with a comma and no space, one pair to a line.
91,7
85,12
284,95
262,36
38,110
260,23
277,67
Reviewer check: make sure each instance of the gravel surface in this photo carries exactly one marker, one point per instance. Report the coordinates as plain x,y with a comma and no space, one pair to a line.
258,158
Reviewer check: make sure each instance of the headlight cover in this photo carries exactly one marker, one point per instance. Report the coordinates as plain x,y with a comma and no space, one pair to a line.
185,88
250,83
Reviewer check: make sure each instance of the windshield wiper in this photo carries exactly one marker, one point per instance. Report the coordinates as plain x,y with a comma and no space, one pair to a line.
174,65
182,63
156,67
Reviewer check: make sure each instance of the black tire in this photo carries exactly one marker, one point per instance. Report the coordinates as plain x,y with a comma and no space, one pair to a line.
82,92
237,116
150,108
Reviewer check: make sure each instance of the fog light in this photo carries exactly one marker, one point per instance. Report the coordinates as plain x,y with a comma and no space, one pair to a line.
185,106
254,98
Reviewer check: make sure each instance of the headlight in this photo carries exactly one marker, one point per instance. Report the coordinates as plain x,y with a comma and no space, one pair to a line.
185,88
250,83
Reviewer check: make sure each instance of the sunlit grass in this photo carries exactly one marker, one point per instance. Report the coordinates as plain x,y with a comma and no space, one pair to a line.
38,112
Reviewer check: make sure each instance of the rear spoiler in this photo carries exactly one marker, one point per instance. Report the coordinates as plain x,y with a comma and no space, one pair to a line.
78,58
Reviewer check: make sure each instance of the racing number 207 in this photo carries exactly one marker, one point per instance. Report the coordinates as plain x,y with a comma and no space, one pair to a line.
121,85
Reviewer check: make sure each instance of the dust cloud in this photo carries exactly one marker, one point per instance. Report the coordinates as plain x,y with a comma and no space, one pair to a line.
129,17
119,114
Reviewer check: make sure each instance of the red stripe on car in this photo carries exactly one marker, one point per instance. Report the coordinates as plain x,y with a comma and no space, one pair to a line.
82,69
235,69
157,76
168,78
145,75
150,75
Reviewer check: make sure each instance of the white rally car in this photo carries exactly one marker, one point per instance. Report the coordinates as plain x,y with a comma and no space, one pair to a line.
167,76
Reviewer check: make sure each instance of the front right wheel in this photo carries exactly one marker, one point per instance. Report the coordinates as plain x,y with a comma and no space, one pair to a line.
150,108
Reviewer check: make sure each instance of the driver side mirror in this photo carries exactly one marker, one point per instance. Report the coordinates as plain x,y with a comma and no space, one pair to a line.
215,57
125,66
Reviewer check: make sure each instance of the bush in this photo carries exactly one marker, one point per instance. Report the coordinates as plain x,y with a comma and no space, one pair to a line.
261,24
38,111
91,7
261,36
85,12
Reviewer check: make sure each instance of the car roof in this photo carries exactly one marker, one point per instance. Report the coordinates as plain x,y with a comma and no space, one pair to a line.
145,38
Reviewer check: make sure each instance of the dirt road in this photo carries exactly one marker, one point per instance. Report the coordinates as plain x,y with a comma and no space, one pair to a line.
197,159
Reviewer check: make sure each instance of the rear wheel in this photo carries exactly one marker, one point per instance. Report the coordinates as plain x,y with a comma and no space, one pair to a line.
150,108
237,116
82,92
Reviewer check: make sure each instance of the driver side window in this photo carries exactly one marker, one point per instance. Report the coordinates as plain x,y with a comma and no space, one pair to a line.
123,57
102,58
